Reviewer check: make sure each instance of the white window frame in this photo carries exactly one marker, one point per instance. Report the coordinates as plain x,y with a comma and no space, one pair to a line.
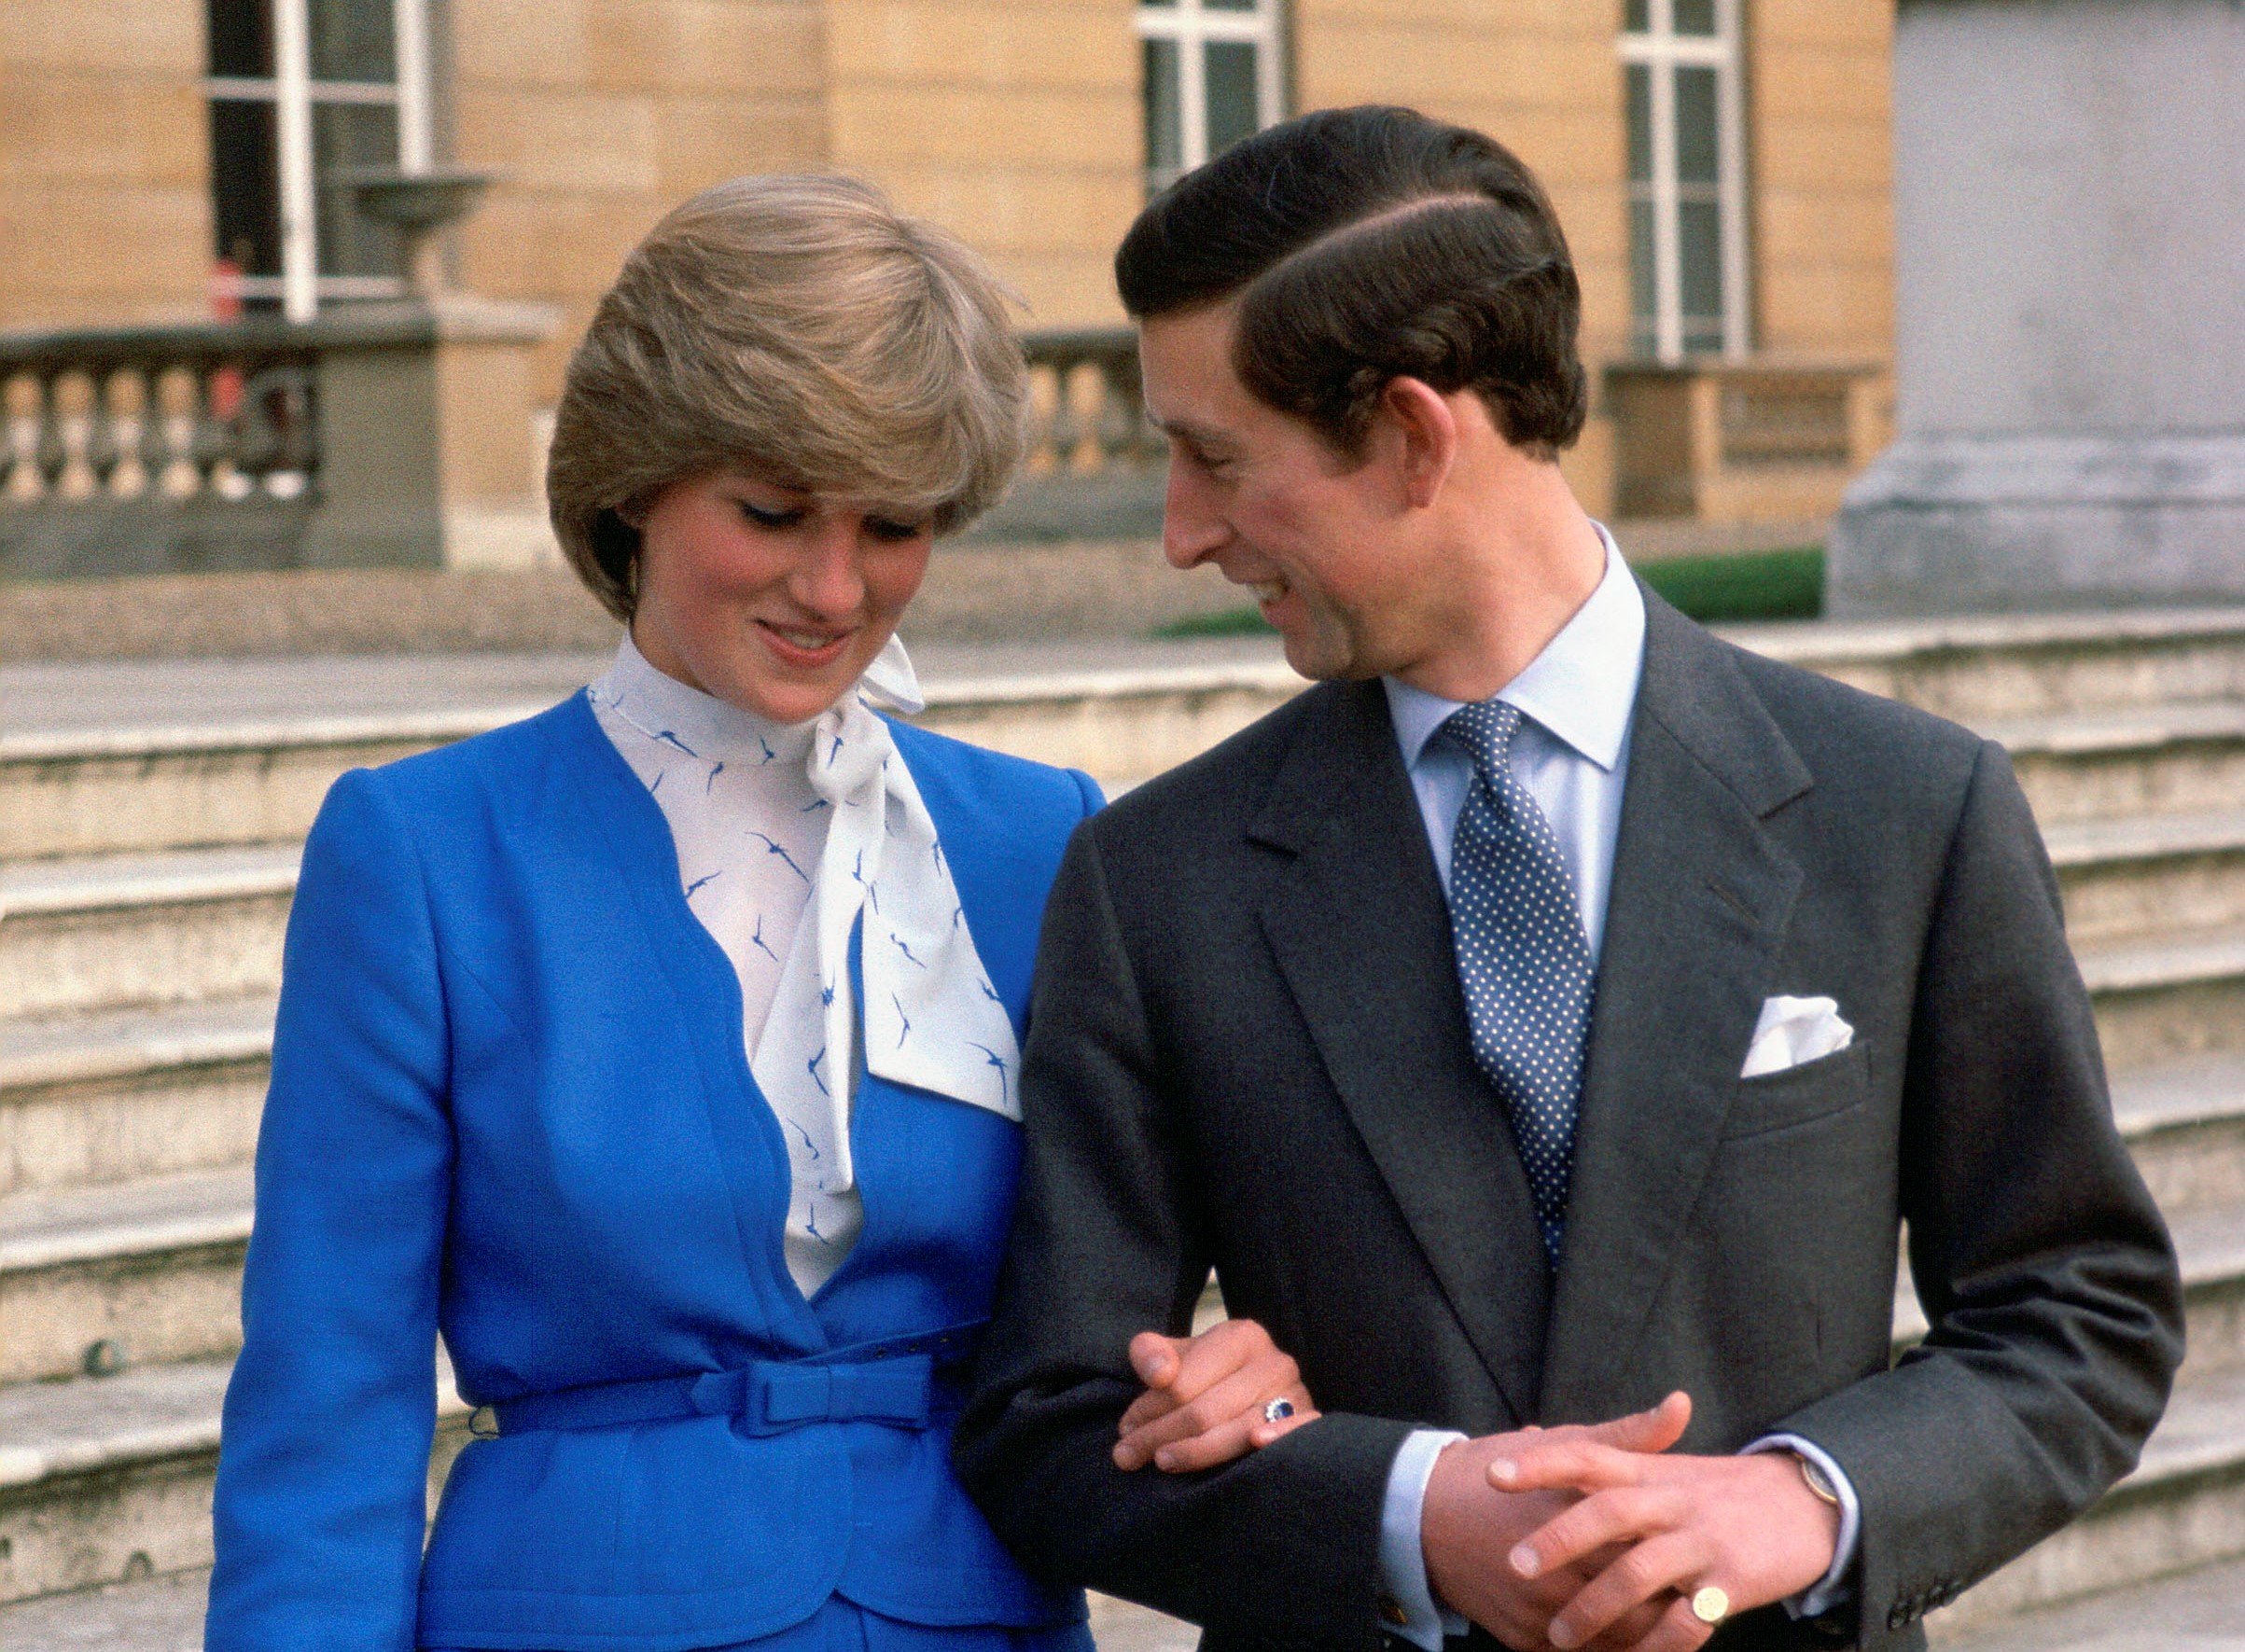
1662,52
300,286
1192,25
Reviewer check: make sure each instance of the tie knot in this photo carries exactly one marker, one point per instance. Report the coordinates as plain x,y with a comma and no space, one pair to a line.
1485,730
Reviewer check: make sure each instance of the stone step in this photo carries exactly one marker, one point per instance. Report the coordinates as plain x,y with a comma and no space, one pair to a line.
120,931
2201,1610
146,1614
2183,1506
2162,1000
2185,1125
2150,874
91,1099
107,1479
133,1275
1976,667
2185,757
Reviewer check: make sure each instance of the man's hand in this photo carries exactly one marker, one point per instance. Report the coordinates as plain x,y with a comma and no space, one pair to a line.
1204,1395
1468,1529
1657,1529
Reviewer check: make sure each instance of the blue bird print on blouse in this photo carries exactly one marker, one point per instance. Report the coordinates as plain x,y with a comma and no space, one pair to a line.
812,1067
809,1146
814,805
773,847
990,992
711,781
936,849
836,752
667,738
697,883
759,942
902,1017
902,946
997,1060
768,752
656,784
826,994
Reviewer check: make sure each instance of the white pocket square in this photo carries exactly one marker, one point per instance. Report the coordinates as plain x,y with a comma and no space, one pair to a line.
1792,1030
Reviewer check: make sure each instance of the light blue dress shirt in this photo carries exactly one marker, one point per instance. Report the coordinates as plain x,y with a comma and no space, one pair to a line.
1573,754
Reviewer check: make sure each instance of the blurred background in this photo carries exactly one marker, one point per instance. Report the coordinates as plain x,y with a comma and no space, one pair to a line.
1918,354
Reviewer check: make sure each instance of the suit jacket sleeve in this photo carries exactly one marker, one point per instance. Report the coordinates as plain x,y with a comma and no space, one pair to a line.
322,1480
1111,1239
2042,1263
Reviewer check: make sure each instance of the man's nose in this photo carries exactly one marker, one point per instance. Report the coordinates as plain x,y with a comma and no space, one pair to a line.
1193,530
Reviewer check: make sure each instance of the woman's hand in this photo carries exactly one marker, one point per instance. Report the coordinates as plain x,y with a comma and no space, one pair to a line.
1204,1397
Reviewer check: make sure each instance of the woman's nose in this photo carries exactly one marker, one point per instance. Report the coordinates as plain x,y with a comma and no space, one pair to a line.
830,578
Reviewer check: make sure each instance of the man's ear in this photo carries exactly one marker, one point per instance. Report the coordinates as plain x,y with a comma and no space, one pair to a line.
1426,432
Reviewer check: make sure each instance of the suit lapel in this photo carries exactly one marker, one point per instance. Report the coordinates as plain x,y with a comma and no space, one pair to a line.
1362,938
1699,902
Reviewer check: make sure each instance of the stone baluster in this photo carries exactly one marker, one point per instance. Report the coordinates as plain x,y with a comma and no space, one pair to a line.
178,394
73,400
126,400
1065,432
26,407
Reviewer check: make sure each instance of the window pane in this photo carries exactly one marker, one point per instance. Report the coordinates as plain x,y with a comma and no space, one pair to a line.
1232,101
1700,238
1164,130
348,135
353,40
1636,17
241,38
1644,298
1226,6
1641,123
1696,16
246,184
1160,5
1695,137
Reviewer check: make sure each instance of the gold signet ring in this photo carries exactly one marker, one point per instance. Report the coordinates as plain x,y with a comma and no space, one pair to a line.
1711,1605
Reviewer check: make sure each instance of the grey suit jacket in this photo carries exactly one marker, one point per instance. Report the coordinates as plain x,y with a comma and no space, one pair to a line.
1249,1049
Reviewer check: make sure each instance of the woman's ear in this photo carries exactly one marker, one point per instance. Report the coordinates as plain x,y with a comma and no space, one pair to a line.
1425,432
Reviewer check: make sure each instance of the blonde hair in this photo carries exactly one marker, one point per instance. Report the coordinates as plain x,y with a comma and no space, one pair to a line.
799,326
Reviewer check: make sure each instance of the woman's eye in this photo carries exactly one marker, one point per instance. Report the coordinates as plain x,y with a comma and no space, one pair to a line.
767,517
886,528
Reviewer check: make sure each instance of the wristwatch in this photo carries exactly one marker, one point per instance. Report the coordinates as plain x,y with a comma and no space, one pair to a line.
1817,1481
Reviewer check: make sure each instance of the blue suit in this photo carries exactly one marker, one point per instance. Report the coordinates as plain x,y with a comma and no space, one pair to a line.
510,1102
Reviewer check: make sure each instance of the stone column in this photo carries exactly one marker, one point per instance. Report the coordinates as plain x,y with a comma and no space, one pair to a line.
2070,236
425,454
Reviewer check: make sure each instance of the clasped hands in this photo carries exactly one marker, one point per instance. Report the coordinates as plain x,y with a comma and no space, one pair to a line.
1597,1537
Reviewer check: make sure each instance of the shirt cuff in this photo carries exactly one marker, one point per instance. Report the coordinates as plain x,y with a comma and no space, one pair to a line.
1414,1615
1831,1589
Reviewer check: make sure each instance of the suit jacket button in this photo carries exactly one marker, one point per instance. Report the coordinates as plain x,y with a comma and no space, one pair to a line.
1896,1617
1392,1610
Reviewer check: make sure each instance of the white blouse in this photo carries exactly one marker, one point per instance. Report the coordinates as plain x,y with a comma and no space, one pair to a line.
791,839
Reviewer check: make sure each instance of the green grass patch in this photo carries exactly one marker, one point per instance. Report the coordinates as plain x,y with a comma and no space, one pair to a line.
1737,585
1743,585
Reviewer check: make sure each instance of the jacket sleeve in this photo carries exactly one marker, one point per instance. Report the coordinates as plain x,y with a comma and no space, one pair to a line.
323,1469
1111,1239
2045,1272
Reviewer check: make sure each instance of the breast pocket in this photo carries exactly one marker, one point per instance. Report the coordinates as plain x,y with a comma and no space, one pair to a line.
1801,1095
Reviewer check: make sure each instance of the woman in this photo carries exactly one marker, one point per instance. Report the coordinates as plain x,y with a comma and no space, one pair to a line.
660,1050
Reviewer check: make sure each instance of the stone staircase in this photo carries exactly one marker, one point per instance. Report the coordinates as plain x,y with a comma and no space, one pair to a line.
148,864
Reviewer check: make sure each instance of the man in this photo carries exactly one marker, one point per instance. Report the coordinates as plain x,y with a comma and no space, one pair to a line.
1554,1008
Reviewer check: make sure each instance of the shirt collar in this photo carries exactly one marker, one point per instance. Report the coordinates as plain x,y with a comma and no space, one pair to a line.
1582,689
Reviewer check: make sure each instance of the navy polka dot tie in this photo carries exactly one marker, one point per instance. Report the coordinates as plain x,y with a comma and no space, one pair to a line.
1522,958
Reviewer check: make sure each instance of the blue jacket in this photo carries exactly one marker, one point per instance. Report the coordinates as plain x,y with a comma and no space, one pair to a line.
510,1102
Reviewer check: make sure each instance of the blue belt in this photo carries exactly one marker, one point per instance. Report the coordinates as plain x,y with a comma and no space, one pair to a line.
892,1380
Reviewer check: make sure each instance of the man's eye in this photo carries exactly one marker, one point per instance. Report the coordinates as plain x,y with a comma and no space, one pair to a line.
767,517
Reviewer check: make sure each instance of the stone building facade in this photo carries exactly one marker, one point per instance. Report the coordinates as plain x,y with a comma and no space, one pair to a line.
1692,145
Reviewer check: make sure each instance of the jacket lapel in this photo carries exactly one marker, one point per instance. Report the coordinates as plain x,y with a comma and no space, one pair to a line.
1699,902
1362,939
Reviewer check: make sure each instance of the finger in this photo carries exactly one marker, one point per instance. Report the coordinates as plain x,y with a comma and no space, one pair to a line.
1209,1449
1223,1350
1650,1571
1155,1358
1625,1633
1653,1430
1573,1462
1675,1630
1628,1515
1262,1433
1235,1400
1151,1403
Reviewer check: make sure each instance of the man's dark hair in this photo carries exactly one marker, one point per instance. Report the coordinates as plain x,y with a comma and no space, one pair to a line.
1365,246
